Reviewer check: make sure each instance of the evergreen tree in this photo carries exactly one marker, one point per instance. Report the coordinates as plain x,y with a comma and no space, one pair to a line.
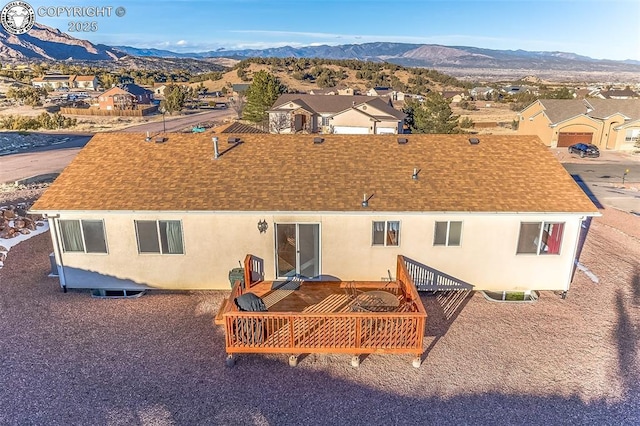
174,99
433,115
262,93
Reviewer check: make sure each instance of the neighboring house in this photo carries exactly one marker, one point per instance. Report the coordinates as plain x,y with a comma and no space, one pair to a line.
57,81
607,123
142,95
158,89
454,96
293,113
388,92
89,82
481,93
124,96
626,93
116,98
501,214
346,91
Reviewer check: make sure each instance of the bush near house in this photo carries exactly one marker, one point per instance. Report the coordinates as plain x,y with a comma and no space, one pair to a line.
43,121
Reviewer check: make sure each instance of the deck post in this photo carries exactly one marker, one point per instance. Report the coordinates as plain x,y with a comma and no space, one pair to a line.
293,360
355,361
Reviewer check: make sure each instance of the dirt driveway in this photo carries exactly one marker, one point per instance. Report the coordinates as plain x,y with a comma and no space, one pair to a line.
158,360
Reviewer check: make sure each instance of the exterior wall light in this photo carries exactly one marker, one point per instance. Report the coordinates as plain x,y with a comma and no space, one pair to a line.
262,226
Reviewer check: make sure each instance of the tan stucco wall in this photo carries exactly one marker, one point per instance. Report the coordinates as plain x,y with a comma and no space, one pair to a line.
609,138
533,122
214,243
579,125
354,119
621,134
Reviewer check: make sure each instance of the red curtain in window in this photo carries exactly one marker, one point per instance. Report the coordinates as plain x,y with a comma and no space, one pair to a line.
555,238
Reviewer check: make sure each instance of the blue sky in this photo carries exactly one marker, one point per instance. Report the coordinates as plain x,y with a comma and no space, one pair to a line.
602,29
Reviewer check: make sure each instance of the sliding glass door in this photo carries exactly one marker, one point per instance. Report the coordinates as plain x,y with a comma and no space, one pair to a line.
297,249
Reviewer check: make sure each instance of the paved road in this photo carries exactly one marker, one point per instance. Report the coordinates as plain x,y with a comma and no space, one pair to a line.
44,159
54,158
602,181
172,124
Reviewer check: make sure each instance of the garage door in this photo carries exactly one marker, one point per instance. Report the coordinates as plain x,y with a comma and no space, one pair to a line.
386,130
566,139
350,130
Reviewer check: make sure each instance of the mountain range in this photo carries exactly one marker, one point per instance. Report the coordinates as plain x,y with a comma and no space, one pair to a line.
419,55
46,43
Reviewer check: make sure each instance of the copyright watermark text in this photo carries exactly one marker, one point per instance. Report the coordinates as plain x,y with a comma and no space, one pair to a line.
17,17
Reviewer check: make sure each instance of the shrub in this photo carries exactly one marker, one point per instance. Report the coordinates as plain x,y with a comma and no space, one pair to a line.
465,123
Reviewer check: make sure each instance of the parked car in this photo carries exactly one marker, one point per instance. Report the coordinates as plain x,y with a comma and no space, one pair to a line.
584,150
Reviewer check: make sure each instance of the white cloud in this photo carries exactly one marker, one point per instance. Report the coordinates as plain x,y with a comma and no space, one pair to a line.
181,43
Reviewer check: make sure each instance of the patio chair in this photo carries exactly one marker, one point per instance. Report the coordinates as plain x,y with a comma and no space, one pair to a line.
354,297
250,331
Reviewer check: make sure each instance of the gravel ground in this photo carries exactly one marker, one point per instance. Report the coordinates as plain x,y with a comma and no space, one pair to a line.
158,360
23,194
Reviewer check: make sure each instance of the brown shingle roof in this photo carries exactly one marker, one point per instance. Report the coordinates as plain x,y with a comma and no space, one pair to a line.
603,108
237,127
323,104
563,109
120,171
84,77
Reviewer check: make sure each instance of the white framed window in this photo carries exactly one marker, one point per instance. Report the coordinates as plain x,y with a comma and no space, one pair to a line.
540,238
386,233
159,236
83,236
447,233
632,135
326,121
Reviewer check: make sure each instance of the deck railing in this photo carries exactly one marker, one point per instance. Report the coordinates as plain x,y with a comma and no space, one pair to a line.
426,278
400,331
253,270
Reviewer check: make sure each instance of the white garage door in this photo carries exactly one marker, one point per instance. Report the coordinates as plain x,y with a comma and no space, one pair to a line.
386,130
350,130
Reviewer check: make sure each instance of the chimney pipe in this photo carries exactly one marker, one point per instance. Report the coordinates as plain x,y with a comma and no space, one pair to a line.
216,153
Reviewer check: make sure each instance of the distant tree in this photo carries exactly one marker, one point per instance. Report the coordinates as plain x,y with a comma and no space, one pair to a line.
262,93
27,95
562,93
279,122
107,80
201,89
433,115
469,106
237,103
523,100
174,98
465,123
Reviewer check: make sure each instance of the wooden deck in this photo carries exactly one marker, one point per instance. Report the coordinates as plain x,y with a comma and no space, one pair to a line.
311,296
321,317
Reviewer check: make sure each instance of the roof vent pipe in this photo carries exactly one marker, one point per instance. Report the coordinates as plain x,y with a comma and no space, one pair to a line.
216,153
474,141
365,200
416,171
402,141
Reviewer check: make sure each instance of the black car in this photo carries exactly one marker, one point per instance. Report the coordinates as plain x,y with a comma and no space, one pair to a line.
584,150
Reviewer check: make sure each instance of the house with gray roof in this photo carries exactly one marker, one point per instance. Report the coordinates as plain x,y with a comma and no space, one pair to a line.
607,123
301,113
625,93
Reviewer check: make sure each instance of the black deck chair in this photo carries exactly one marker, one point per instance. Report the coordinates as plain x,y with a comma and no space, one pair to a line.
250,331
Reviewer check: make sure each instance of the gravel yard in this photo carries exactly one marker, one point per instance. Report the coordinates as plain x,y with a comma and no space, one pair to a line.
159,360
